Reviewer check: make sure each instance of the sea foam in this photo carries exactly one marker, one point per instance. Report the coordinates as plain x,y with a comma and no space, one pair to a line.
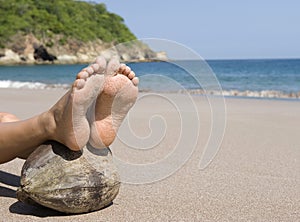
247,93
29,85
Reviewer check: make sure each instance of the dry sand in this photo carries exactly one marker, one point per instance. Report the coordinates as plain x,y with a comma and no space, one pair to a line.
254,177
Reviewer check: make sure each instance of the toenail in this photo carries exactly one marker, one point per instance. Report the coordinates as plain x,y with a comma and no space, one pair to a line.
128,69
122,67
131,75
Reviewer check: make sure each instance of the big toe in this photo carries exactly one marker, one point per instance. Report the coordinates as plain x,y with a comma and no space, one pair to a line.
87,90
113,67
100,65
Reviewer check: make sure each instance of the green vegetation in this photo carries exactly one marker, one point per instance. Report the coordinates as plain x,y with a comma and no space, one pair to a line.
76,19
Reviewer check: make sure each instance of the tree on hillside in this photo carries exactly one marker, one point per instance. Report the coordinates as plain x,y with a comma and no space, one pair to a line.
75,19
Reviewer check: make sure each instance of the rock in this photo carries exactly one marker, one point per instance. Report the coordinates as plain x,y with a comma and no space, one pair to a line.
28,49
125,57
10,57
67,59
41,53
28,52
83,58
162,56
71,182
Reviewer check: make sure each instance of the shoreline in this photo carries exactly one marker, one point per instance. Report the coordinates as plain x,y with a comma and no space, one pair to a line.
57,62
264,95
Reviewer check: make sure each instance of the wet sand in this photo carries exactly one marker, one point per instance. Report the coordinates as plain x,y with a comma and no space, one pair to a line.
255,176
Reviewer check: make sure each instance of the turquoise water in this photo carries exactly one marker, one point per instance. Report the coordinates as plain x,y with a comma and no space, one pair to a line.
262,78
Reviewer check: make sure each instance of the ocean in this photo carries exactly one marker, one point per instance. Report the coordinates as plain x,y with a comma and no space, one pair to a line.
265,78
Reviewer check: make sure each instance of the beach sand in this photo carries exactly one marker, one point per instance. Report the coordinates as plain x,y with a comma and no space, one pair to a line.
255,176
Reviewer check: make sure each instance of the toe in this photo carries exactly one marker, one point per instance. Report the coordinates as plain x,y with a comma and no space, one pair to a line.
101,62
82,75
95,67
135,81
79,84
127,70
131,75
90,70
92,87
113,67
122,68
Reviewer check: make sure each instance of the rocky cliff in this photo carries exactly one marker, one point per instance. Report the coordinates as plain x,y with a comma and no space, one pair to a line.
27,49
64,31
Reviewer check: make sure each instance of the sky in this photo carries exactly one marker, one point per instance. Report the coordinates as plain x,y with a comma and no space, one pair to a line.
216,29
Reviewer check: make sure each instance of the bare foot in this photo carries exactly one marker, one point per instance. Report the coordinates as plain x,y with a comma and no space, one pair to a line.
113,103
70,126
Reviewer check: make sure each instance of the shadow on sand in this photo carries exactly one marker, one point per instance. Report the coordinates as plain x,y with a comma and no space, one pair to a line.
40,211
10,180
19,207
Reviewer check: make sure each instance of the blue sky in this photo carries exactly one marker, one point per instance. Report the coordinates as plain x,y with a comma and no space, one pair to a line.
218,29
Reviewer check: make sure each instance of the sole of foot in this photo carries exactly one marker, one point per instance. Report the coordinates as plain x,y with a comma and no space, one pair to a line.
70,126
119,93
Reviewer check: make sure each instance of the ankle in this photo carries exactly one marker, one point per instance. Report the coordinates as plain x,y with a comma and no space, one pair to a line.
48,124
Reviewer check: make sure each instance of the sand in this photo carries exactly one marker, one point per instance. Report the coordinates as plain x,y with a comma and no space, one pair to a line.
255,176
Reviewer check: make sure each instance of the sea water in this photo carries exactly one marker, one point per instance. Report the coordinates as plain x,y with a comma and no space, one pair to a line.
276,78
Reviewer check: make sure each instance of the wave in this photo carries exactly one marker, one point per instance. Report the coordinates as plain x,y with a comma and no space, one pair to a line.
247,93
235,93
30,85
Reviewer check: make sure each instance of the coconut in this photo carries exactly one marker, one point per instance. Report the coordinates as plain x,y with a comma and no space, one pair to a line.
67,181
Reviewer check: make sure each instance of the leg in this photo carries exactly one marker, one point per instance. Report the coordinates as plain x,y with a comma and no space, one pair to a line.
65,122
113,103
8,117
